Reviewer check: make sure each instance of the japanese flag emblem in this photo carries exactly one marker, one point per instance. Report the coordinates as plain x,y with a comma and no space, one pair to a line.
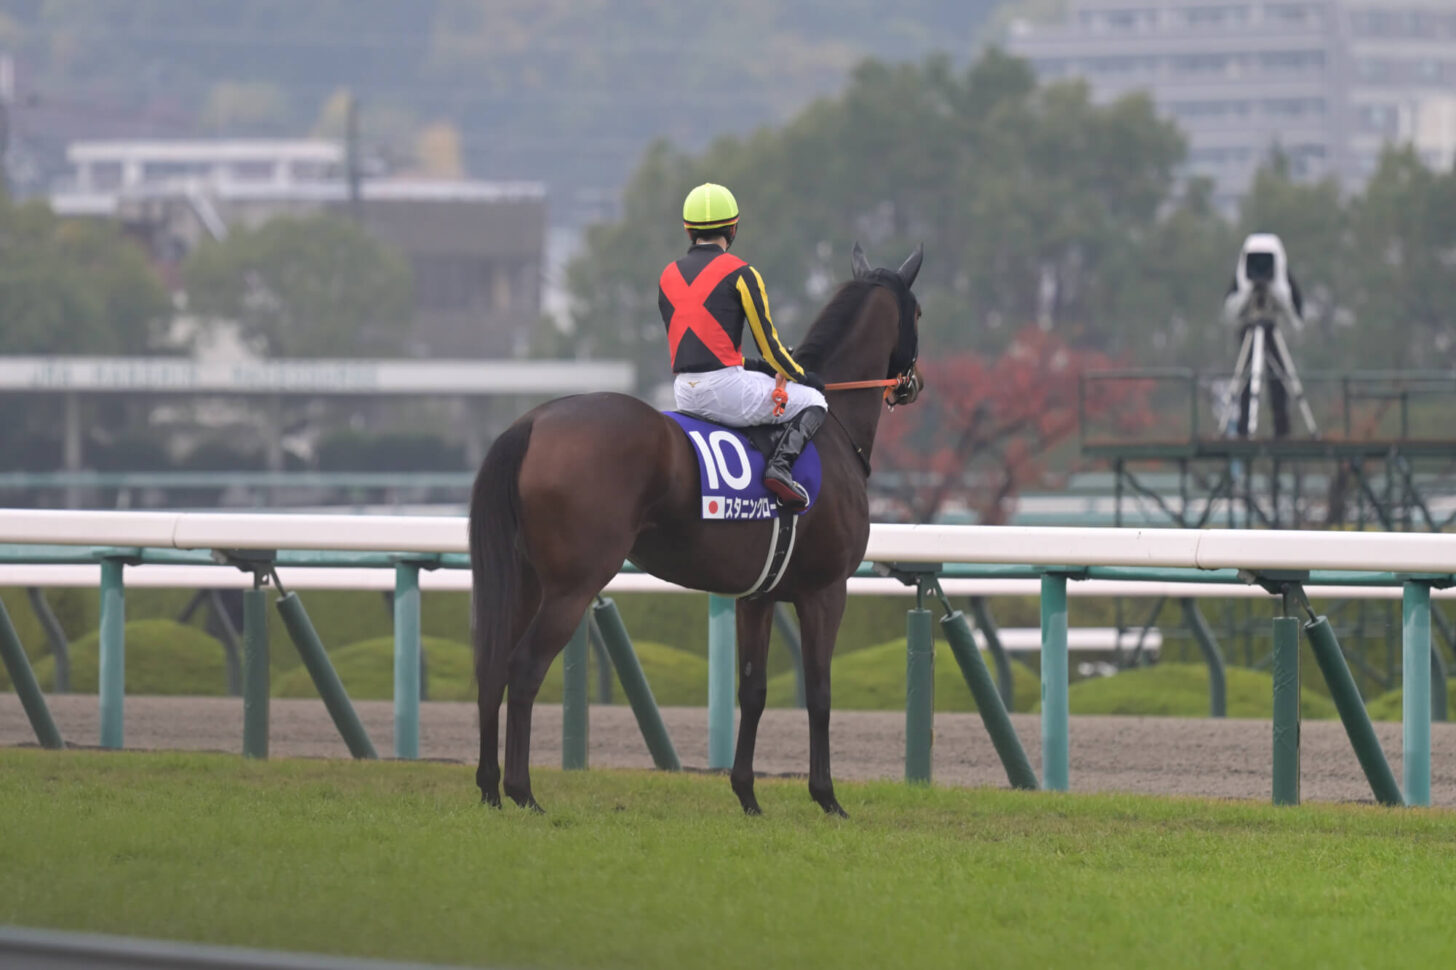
713,506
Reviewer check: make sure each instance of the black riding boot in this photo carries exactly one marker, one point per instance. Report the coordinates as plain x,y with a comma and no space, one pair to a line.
778,474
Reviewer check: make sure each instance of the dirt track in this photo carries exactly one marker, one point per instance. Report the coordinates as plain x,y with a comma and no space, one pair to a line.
1229,759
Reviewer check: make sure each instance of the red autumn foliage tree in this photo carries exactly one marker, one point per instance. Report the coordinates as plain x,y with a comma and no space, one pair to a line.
984,427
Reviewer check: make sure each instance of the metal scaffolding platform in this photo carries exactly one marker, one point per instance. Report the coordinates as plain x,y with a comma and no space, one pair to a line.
1384,458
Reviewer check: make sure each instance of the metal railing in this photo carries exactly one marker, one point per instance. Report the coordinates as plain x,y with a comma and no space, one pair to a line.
926,559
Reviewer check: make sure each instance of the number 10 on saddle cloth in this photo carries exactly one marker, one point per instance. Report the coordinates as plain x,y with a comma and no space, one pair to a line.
730,470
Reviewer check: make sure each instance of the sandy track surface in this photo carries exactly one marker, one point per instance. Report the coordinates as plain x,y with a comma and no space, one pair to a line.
1227,759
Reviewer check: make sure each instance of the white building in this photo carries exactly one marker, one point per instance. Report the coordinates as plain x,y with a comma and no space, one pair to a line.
476,248
1330,82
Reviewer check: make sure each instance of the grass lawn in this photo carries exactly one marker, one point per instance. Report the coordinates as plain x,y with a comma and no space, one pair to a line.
650,870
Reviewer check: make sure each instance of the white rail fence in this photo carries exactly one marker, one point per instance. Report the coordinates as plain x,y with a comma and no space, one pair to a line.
1131,561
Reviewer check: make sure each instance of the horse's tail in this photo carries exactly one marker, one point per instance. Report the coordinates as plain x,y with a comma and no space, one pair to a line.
495,512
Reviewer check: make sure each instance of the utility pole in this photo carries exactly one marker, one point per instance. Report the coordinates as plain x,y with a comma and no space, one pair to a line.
7,98
352,161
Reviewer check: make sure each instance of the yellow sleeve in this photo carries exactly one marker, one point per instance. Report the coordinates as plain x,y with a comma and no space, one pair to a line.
755,297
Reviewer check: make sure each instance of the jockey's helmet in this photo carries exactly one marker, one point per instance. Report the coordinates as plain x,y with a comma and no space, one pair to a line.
710,206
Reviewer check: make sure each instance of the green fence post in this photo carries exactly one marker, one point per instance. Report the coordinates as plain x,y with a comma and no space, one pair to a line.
1438,684
789,631
111,676
988,701
227,635
55,637
1352,711
1416,692
634,685
722,664
31,698
406,660
1203,635
1004,683
574,709
919,694
602,661
325,678
1439,671
1054,705
1286,710
255,673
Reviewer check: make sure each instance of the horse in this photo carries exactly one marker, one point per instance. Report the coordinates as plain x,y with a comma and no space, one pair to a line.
579,484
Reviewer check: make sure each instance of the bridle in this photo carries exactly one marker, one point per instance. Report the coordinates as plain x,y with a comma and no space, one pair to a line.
906,384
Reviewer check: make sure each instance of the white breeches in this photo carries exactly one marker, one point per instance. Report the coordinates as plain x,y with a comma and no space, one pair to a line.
739,397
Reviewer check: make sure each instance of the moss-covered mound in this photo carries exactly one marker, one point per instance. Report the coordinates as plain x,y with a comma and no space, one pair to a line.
366,669
1390,705
1181,690
677,678
162,657
873,679
367,672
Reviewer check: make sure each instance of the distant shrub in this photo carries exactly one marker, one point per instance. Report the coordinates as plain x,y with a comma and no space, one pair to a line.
1181,690
873,679
162,657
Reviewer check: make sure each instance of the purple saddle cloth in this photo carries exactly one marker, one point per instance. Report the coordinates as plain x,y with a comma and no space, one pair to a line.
730,471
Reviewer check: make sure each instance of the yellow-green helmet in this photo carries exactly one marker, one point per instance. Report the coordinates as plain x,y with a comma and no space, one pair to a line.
710,206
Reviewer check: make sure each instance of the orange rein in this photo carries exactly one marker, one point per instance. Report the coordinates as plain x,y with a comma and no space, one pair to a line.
781,396
860,385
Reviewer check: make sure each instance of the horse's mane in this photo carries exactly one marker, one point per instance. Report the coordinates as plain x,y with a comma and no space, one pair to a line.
832,325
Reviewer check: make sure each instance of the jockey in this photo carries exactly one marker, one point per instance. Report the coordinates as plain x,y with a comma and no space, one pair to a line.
705,298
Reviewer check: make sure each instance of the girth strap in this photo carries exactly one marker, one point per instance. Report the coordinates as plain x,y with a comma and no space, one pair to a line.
780,548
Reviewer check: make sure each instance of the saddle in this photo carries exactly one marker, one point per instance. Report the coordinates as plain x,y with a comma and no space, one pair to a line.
731,463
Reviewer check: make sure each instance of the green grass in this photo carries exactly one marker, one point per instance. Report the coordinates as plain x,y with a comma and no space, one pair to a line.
1388,706
646,870
1181,690
367,672
873,679
162,657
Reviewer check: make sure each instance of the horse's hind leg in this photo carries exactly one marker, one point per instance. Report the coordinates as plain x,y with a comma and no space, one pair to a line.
492,687
755,618
553,625
819,617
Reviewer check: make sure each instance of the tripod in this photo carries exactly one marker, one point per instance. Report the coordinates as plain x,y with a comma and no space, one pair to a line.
1264,350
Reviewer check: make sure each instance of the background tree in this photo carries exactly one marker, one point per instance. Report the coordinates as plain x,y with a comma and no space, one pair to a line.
75,287
988,427
1026,198
304,287
1402,244
70,287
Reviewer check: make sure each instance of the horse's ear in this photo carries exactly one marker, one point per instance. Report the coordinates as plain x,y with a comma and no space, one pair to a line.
858,262
911,267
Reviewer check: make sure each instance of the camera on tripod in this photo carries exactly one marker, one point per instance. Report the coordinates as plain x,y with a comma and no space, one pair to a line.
1262,297
1262,290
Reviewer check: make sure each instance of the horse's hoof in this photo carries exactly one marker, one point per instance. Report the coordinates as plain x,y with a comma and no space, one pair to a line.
526,800
746,798
491,798
829,803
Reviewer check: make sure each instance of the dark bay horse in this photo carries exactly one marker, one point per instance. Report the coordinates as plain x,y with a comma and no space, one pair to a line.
581,483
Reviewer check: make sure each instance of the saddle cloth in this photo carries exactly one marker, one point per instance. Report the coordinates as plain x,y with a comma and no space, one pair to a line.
730,468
